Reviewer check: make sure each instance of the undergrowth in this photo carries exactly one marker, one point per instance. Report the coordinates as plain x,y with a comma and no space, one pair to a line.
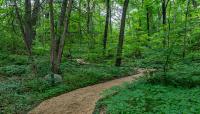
174,92
21,91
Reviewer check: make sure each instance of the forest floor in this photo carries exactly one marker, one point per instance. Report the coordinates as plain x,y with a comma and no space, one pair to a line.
80,101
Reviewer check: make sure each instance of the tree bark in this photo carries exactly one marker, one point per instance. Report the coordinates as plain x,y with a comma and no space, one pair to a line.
65,32
79,24
148,20
28,21
28,26
106,26
53,58
121,35
35,14
186,20
194,3
61,23
88,16
164,15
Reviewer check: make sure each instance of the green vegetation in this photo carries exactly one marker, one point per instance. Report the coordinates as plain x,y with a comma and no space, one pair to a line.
49,47
158,93
147,98
20,90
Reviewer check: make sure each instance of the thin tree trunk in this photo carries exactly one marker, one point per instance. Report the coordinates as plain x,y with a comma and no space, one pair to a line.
164,14
61,23
88,16
53,58
121,35
79,24
28,26
110,16
35,14
65,32
194,3
148,20
186,20
27,29
169,27
106,26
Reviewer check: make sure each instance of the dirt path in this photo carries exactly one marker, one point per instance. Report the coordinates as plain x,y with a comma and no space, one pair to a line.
80,101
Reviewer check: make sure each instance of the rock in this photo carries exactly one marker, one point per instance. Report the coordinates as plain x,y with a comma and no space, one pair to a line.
81,62
57,78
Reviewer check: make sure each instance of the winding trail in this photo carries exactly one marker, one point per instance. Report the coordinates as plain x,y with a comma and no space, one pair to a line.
80,101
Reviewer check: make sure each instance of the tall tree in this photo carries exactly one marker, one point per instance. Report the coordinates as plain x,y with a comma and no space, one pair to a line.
105,37
61,22
121,34
35,15
53,58
65,32
186,21
28,21
57,42
148,19
88,16
164,17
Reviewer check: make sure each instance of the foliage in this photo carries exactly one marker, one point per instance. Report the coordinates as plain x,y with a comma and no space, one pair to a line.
20,94
151,99
13,70
144,46
175,91
183,75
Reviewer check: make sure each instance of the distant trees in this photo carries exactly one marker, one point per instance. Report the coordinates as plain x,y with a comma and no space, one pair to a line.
88,15
121,35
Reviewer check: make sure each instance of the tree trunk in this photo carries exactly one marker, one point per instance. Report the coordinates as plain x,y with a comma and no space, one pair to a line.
194,3
164,20
88,16
106,26
61,23
53,58
186,20
121,35
28,26
148,20
79,24
35,14
110,16
65,32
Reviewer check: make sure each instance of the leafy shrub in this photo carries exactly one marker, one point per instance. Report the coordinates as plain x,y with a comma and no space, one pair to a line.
13,70
151,99
43,66
18,59
6,59
20,95
193,57
184,75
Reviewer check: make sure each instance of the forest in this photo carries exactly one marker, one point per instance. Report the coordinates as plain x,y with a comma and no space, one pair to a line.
99,57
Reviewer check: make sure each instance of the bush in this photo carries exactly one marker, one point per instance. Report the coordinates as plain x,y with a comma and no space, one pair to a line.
6,59
181,75
13,70
151,99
